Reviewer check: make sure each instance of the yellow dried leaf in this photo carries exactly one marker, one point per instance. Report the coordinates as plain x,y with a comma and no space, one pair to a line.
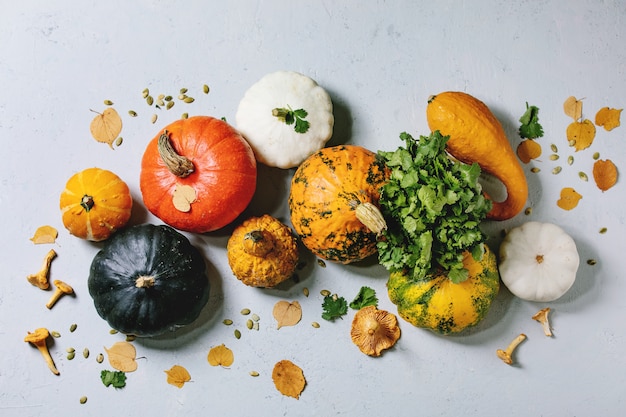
573,108
177,376
122,356
106,126
608,118
221,356
183,196
604,173
569,198
528,150
288,378
287,314
581,134
44,234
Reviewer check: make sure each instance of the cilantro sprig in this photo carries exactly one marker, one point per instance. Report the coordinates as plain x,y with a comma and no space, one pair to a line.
293,117
365,297
115,378
530,127
334,307
433,206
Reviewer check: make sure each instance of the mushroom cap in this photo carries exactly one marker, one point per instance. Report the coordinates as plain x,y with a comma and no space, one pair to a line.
374,330
63,287
37,336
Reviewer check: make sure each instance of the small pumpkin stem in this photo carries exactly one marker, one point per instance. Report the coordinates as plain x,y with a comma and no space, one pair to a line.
178,165
144,282
539,259
87,202
281,113
371,217
258,243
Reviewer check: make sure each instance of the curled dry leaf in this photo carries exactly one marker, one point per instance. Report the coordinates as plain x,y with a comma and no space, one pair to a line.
106,126
221,356
581,134
569,198
122,356
177,376
183,196
608,118
573,108
44,234
287,314
288,378
604,173
528,150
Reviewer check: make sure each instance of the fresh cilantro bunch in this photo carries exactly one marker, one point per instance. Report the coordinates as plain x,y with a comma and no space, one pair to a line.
530,127
433,206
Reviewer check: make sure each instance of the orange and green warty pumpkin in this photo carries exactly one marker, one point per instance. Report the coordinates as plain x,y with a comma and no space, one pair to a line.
327,190
438,304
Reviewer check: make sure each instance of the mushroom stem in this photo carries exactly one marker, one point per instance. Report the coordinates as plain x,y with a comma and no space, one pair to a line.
61,289
38,339
507,354
542,317
40,279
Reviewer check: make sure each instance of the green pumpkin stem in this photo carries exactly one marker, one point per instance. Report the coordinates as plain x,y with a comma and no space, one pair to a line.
87,202
178,165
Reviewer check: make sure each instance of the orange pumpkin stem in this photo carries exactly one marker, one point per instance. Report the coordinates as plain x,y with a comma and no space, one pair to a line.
178,165
258,243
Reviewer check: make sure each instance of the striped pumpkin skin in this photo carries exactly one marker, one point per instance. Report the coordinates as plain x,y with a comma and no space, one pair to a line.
325,191
438,304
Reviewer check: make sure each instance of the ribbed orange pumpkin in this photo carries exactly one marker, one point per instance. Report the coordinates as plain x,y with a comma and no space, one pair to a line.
208,155
326,190
95,203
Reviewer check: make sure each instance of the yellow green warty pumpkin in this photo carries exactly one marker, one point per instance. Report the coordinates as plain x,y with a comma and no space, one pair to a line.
438,304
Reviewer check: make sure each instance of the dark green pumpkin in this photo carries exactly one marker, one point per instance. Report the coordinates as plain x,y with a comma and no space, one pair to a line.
147,280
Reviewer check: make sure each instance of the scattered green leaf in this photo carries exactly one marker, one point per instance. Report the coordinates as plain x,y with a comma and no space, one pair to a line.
334,307
365,297
115,378
530,128
290,116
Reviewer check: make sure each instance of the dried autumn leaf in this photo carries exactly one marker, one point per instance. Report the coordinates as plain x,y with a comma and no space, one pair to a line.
288,378
122,356
44,234
183,196
177,376
528,150
287,314
573,108
581,134
106,126
608,118
221,356
604,173
569,198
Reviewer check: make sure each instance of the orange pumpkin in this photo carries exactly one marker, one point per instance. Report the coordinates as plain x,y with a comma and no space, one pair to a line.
95,203
327,190
203,155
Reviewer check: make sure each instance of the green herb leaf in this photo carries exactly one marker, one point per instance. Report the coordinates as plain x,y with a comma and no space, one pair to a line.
290,116
115,378
433,206
334,307
530,127
365,297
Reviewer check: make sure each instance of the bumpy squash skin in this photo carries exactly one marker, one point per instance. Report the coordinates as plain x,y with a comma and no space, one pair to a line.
438,304
325,190
180,290
477,136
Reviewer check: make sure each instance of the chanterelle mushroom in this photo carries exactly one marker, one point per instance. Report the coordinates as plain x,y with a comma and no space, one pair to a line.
542,317
374,330
61,288
39,339
40,279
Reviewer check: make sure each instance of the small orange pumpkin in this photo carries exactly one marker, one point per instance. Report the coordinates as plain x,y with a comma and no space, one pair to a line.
327,191
205,155
95,203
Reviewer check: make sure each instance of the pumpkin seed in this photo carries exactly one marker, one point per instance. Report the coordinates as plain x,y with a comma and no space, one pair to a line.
113,331
305,291
71,356
254,373
119,141
55,334
535,170
205,89
528,211
73,327
182,96
249,324
556,170
108,102
572,142
255,326
554,157
591,262
325,293
160,96
603,230
160,102
245,311
256,317
83,399
183,90
184,115
85,353
168,98
554,148
132,113
321,263
227,322
570,160
70,350
170,104
237,334
145,93
189,100
596,155
100,358
154,118
315,324
149,100
583,176
130,337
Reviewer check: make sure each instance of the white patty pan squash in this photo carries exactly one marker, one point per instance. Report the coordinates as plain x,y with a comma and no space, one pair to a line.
285,117
538,261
